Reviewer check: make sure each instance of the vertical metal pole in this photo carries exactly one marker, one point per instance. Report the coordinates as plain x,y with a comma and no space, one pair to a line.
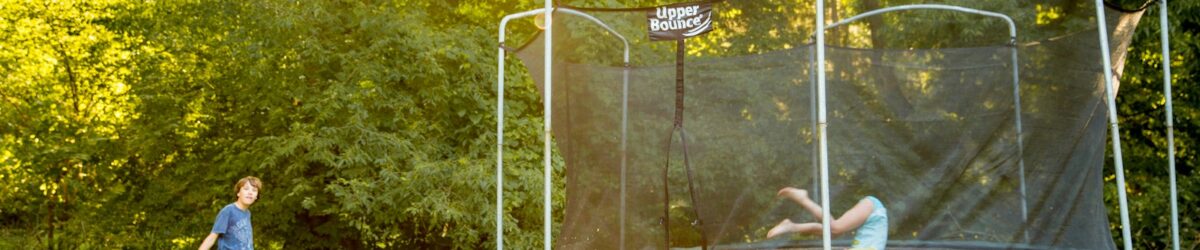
1111,96
1020,140
1166,56
812,87
546,99
500,141
826,235
624,135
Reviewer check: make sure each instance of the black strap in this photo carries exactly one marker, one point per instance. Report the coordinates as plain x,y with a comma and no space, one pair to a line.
680,50
666,219
692,190
679,53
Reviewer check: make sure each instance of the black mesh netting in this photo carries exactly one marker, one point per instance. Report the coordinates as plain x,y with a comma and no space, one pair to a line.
921,114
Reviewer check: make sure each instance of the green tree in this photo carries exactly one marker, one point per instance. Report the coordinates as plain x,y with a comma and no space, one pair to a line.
370,122
65,101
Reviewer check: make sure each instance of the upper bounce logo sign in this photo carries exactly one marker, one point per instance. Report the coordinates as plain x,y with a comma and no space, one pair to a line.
674,22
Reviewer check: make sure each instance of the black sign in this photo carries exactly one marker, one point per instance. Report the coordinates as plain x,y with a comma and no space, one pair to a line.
679,21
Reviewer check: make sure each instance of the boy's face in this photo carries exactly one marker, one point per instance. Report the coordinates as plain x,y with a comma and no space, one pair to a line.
248,194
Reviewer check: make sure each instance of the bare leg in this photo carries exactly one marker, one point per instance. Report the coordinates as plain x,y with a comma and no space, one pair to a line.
800,196
849,220
787,226
853,218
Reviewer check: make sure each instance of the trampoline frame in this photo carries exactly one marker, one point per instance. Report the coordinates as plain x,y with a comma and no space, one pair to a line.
1109,88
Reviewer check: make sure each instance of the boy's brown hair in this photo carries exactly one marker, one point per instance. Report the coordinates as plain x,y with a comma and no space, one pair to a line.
253,181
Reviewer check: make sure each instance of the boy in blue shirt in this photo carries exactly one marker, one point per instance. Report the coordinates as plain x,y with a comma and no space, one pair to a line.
232,230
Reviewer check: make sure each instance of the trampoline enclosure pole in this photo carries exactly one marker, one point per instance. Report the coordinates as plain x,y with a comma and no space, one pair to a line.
624,132
1164,35
1110,95
822,126
548,78
500,126
1020,141
812,58
500,140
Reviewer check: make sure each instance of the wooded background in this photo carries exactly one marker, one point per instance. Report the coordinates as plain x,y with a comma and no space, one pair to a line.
125,123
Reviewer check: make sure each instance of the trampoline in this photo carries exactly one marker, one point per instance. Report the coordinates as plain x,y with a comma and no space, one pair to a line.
980,127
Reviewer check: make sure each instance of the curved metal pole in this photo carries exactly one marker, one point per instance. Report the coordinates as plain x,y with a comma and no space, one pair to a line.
500,127
1012,30
624,110
1012,34
546,154
1110,95
1166,56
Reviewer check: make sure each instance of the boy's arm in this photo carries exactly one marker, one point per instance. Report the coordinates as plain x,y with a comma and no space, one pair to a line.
218,228
208,242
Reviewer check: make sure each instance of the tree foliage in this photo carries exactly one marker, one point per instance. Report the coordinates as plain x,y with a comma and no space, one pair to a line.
124,123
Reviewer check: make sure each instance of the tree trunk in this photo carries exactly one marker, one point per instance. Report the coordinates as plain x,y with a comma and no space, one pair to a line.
892,94
835,33
50,222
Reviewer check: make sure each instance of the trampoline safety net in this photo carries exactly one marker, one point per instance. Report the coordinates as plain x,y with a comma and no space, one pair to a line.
921,109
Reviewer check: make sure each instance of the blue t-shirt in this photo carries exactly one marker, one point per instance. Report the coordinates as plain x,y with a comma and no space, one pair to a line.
872,235
233,226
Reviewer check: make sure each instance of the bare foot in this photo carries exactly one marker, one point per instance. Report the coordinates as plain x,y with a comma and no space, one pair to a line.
783,227
796,194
